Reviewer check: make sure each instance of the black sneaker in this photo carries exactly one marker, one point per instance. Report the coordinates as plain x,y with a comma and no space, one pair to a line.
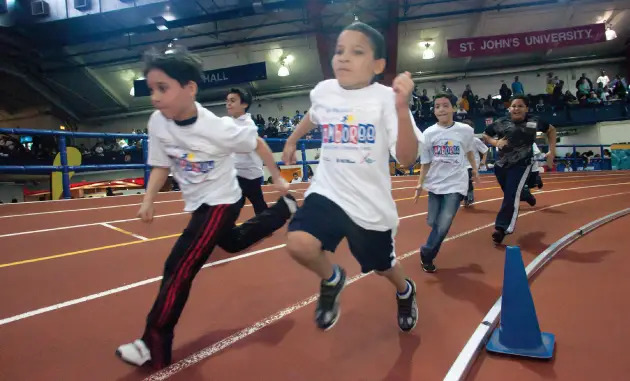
498,236
531,200
427,266
327,311
408,310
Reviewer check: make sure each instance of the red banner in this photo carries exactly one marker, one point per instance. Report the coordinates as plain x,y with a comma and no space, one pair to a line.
526,42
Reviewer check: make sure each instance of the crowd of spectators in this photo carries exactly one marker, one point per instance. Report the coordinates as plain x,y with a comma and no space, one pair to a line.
556,96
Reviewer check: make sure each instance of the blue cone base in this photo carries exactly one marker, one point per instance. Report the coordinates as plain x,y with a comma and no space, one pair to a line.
545,351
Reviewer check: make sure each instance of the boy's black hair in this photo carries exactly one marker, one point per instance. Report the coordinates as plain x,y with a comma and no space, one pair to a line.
444,95
245,96
178,63
521,97
376,38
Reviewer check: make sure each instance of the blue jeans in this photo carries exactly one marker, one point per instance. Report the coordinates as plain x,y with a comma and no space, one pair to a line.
442,210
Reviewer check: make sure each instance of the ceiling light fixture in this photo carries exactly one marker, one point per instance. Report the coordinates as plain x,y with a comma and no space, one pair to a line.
428,53
160,22
283,71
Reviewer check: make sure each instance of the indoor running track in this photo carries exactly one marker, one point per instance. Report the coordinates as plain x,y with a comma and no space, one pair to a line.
78,277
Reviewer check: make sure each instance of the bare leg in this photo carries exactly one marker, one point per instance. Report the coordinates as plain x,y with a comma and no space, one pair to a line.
307,251
396,276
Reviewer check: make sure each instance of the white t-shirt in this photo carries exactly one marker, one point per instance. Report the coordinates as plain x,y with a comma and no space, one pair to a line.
479,147
200,155
248,165
446,148
603,79
537,156
359,130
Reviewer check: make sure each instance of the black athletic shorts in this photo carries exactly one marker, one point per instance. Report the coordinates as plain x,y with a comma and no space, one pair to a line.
326,221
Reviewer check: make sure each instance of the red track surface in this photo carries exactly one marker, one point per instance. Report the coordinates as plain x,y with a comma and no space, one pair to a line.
576,299
77,342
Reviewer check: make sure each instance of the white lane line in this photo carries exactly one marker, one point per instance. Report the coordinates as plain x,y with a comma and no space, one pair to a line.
244,333
82,209
124,231
85,225
157,279
181,213
491,180
464,361
103,207
546,175
72,302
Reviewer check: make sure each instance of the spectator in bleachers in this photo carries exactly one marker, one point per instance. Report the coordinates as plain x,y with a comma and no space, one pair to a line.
297,117
505,93
424,98
486,107
603,79
593,99
618,78
540,106
619,91
469,98
260,121
461,112
584,86
296,178
550,83
602,92
517,87
580,81
557,98
570,98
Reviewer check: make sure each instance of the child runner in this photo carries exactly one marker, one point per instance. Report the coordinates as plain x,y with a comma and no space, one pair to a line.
350,196
197,146
535,181
480,150
448,147
249,166
513,137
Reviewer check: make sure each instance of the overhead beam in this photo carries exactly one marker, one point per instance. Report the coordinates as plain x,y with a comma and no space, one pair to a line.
39,87
314,8
103,85
391,41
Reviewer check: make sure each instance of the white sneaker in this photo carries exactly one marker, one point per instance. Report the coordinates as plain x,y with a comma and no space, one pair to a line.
135,353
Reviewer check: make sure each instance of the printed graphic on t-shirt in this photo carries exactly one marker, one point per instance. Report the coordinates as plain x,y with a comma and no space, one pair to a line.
447,151
192,170
185,164
348,130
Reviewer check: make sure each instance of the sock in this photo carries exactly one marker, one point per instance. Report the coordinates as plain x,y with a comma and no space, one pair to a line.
405,294
335,278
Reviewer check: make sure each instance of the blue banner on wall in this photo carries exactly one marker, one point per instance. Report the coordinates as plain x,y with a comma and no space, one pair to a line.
217,78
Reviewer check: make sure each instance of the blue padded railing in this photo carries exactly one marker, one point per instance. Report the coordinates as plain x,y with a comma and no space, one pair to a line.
275,143
65,169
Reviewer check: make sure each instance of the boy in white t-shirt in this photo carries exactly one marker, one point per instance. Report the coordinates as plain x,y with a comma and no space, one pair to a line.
481,154
249,166
350,195
534,180
448,148
198,147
